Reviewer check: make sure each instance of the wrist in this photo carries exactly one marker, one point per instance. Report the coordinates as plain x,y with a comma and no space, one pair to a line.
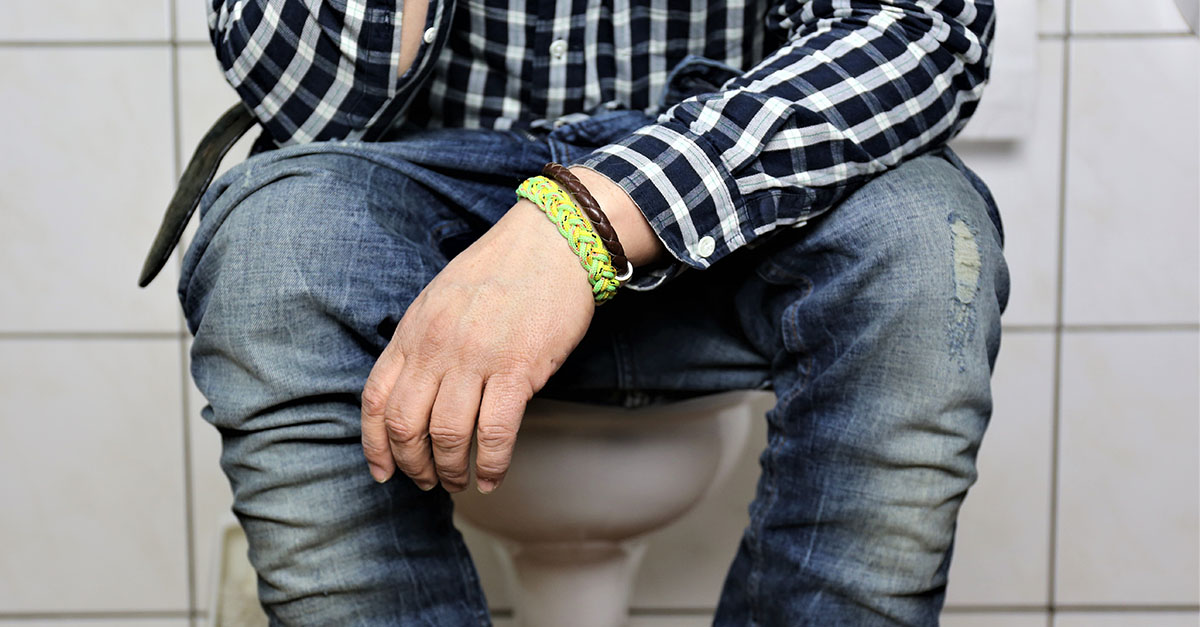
642,246
539,240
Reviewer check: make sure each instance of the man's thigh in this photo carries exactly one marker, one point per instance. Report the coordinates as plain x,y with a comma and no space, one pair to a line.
305,260
885,319
877,325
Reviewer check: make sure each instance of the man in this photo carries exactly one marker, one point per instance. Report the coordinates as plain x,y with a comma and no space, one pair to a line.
776,172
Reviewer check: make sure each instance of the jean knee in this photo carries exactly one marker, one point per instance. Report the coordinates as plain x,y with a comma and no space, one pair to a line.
929,221
933,254
292,283
304,227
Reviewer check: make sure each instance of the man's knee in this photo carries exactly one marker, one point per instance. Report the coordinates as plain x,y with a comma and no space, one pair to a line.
290,287
302,229
921,230
925,221
278,217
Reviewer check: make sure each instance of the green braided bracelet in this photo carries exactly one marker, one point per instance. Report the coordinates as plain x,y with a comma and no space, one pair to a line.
558,206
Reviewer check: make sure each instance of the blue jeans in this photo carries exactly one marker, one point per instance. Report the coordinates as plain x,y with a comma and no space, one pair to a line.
876,325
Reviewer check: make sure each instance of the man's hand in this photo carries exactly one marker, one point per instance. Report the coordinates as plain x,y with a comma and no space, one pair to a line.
480,340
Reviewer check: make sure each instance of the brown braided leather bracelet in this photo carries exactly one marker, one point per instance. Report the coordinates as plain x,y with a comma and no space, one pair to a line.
587,203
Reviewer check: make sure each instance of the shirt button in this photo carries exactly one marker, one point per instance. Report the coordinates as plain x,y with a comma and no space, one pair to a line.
558,48
430,35
706,246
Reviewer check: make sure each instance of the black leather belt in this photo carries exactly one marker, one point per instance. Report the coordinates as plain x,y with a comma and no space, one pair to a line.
196,178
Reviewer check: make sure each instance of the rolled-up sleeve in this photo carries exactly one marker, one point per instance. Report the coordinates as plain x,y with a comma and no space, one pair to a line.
857,88
310,69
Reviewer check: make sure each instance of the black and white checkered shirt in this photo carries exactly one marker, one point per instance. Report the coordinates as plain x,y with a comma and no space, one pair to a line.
830,93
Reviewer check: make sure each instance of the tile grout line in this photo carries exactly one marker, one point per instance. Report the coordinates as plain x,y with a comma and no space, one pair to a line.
1133,35
95,615
1130,328
184,392
1053,35
1101,608
1060,264
84,43
88,335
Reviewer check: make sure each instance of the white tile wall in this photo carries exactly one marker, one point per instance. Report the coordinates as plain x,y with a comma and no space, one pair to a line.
1052,16
1096,399
90,451
1132,161
1129,485
1121,16
1127,619
78,232
95,622
191,20
994,619
79,20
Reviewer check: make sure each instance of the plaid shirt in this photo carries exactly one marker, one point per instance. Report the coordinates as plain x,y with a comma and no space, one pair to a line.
830,92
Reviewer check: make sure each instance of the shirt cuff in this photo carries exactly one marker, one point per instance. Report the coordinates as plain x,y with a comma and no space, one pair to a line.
678,181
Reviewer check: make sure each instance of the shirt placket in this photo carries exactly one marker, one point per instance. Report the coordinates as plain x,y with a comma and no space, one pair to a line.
552,53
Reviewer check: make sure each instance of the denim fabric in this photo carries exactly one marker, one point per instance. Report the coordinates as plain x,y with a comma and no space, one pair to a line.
876,325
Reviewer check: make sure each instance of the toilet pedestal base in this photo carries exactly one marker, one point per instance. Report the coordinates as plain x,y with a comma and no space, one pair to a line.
583,584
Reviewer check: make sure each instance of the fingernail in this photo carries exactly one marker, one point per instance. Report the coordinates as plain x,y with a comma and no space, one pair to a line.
485,486
425,485
379,474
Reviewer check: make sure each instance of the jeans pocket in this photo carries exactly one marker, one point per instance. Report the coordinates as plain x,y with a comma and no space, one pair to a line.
452,236
780,258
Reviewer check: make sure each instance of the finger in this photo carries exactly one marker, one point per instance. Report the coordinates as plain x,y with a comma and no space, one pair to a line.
500,413
451,425
378,388
407,421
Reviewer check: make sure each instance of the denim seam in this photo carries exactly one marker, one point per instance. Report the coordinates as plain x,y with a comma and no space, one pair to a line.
771,492
466,568
757,524
559,150
804,356
804,360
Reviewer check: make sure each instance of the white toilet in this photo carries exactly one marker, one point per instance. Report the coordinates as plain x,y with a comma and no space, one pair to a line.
587,484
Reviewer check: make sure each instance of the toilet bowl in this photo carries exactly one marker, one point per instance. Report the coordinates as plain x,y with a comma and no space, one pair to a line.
587,484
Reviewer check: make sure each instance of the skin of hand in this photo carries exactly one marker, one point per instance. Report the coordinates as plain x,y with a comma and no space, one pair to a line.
481,339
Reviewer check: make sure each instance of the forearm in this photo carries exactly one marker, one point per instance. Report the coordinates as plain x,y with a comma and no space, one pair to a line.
854,91
641,244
